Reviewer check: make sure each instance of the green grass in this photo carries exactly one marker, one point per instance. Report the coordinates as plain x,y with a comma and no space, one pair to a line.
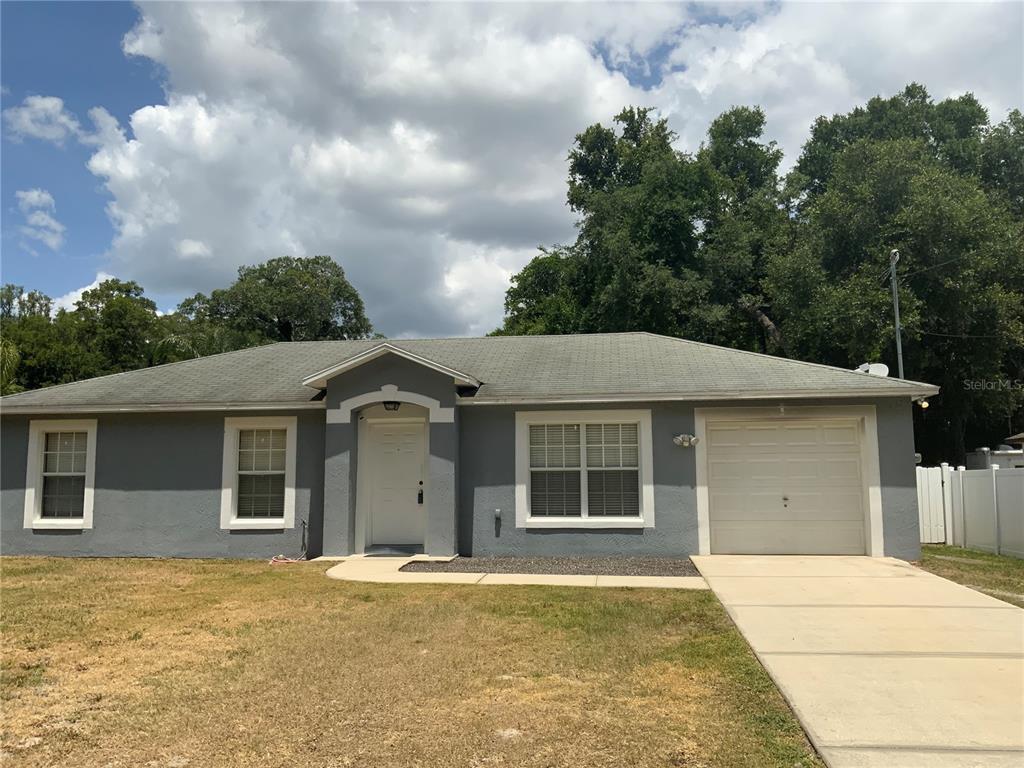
167,662
999,576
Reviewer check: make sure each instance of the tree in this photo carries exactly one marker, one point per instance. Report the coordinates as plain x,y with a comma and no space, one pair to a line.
117,322
288,299
741,219
961,276
114,327
9,359
668,242
1002,160
715,247
541,299
48,349
949,131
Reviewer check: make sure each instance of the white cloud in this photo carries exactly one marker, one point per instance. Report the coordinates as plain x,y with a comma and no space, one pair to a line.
29,199
348,131
37,207
424,146
802,60
69,299
41,117
193,249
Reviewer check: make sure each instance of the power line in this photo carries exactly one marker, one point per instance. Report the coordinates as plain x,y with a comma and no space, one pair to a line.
935,266
957,335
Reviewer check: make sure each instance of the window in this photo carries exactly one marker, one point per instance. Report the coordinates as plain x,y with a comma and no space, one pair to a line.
584,469
261,462
554,473
259,473
64,475
60,473
613,470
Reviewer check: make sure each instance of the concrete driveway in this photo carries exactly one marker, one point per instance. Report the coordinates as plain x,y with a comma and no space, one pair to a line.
884,664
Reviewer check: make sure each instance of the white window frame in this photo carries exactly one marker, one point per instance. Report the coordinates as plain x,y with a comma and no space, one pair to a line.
229,519
524,419
37,430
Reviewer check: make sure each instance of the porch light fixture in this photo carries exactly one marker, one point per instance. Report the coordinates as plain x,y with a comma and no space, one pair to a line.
685,441
391,405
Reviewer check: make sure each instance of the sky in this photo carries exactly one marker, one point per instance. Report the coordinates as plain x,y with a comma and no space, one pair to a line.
423,146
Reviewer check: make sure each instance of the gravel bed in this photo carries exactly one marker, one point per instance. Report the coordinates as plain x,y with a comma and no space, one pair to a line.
583,566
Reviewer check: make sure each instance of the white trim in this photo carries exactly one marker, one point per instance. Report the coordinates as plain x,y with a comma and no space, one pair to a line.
663,397
34,474
700,431
160,407
319,379
343,413
523,421
229,473
868,429
639,397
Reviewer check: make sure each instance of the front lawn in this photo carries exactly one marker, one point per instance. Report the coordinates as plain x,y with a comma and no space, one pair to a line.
999,576
177,663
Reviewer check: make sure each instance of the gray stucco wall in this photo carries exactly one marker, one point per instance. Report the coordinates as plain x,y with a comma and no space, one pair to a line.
487,483
898,476
488,479
341,452
157,491
158,479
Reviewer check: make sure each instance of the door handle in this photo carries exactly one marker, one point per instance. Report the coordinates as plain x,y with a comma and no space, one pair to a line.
419,494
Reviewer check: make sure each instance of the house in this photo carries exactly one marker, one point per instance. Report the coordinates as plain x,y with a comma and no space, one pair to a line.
627,443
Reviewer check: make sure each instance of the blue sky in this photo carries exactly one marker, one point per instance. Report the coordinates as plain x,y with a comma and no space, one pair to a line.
71,49
422,146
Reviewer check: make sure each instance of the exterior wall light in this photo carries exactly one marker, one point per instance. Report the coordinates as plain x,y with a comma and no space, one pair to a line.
685,441
391,405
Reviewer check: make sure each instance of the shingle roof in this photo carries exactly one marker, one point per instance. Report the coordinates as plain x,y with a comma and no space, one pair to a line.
610,366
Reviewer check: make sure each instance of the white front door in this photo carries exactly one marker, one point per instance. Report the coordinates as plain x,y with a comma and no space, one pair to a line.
397,473
786,486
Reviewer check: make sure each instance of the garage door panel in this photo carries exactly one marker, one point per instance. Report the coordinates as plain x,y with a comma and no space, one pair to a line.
834,434
833,470
751,471
798,436
743,506
786,486
775,537
810,506
725,435
744,435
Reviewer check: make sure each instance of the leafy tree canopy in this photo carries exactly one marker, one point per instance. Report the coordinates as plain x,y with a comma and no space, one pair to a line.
716,247
114,327
288,299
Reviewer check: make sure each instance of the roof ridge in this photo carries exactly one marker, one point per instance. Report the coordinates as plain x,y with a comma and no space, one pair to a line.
139,370
390,339
784,359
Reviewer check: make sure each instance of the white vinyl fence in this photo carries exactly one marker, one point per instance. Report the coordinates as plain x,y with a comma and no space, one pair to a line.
976,508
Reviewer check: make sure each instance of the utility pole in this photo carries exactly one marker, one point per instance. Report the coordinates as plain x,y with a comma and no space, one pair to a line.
894,256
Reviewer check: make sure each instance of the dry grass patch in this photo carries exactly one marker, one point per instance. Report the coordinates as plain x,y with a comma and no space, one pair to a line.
175,663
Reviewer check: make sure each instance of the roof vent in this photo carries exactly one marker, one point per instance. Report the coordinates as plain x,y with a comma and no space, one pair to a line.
874,369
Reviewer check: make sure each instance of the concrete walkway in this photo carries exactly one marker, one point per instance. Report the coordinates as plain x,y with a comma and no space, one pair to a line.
884,664
387,570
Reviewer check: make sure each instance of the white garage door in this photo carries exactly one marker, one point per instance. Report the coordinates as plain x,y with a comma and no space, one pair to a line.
785,486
